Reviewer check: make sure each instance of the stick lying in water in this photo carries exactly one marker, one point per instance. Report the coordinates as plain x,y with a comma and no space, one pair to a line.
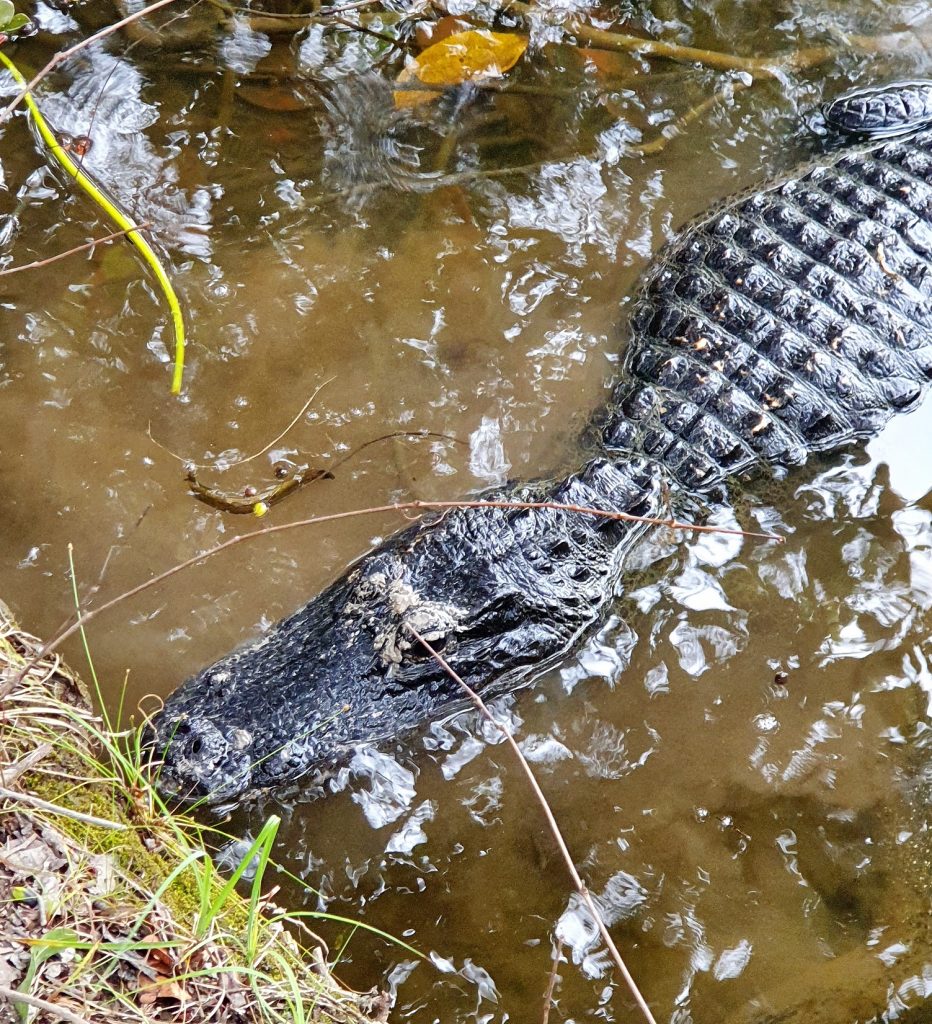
77,622
580,885
257,503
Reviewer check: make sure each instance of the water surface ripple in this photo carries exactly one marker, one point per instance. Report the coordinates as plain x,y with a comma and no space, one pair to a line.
738,755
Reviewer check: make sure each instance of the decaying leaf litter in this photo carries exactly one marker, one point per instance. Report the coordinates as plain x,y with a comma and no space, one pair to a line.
428,50
103,895
423,53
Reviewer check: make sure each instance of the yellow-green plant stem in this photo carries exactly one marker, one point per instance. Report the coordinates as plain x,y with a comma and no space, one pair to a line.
63,158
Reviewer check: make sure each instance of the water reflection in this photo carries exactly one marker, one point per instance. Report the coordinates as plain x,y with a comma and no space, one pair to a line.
738,755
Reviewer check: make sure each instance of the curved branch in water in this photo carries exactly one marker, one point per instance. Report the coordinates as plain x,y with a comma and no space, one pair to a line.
251,502
61,155
257,503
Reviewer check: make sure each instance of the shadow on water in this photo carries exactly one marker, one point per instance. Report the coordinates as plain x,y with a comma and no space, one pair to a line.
738,757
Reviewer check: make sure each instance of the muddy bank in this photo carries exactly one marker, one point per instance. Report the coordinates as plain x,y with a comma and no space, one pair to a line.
110,910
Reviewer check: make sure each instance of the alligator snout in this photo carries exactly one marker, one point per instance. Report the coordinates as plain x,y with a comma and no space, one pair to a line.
198,761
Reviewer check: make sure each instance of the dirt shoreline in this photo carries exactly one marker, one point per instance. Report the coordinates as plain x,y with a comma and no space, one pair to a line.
110,910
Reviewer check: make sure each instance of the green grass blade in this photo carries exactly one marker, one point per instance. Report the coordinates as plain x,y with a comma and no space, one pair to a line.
263,841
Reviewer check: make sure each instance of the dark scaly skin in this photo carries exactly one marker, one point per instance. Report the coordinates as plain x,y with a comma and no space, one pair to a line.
795,319
499,592
883,111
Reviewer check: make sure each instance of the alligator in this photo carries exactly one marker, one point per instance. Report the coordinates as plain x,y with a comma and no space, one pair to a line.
790,320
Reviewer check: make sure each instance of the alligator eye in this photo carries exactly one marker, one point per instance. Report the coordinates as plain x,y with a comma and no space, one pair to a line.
420,653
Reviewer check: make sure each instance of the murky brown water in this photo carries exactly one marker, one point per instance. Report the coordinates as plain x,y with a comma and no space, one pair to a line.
756,841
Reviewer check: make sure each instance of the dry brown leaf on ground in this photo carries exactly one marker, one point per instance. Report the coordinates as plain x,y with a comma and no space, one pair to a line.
161,961
459,58
151,991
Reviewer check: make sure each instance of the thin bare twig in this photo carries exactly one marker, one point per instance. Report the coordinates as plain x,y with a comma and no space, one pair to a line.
26,763
346,23
304,408
400,506
65,812
551,985
580,885
42,1004
36,264
63,55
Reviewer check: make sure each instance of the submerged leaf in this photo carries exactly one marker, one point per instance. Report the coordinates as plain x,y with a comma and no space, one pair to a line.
461,57
10,21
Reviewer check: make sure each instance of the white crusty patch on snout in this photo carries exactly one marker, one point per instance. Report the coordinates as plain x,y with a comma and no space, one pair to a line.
409,613
406,611
240,739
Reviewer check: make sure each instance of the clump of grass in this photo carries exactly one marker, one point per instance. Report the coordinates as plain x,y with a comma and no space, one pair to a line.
110,907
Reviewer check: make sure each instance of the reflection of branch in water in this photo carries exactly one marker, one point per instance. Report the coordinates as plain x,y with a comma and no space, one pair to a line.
286,24
433,180
770,67
677,127
599,38
64,55
257,503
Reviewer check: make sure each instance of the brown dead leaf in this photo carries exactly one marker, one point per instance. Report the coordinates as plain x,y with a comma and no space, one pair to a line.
161,961
428,32
608,64
282,98
152,991
459,58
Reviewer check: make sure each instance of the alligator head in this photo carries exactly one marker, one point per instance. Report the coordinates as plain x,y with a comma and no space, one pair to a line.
344,669
498,591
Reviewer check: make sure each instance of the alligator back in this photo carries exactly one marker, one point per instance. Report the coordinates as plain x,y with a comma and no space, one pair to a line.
793,320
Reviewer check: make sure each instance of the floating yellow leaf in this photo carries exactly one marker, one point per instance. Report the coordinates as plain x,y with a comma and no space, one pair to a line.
459,58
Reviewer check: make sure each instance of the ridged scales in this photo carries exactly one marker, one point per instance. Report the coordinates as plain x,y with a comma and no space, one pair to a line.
792,320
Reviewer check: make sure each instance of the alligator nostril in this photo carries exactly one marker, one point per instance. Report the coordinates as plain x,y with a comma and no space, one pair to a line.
196,745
